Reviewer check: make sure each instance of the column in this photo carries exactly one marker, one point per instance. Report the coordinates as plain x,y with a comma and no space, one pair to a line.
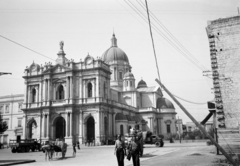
40,92
150,119
100,125
43,125
26,93
97,86
48,125
44,90
95,89
70,90
113,125
24,126
37,94
67,124
109,125
160,126
67,96
29,94
80,124
49,90
80,88
70,121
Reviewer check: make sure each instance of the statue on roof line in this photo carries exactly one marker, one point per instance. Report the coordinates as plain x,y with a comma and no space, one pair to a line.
61,45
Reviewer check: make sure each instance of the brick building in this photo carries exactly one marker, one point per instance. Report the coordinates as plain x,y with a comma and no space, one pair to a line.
224,42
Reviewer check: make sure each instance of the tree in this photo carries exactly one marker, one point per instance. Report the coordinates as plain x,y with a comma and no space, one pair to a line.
3,124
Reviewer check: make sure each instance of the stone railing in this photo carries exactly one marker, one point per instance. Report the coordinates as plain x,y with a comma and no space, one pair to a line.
90,100
148,109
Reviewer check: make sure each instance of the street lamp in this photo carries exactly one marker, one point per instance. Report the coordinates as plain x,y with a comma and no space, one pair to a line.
2,73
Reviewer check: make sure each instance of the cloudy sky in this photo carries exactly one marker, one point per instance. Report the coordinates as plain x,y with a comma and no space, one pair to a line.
87,27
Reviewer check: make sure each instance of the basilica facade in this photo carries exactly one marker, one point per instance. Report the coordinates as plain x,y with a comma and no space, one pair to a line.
93,99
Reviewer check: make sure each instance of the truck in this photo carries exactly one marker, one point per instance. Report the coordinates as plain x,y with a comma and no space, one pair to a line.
24,145
154,139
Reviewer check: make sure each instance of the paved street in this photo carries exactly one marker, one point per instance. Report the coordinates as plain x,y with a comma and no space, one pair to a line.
187,154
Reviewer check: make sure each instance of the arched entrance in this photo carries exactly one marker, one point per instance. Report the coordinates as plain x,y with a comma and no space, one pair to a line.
90,129
60,128
32,129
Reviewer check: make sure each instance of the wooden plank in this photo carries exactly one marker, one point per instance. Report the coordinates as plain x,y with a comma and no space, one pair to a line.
236,141
229,136
228,131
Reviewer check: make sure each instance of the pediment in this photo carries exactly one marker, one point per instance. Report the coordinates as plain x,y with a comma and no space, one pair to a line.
59,81
57,69
127,97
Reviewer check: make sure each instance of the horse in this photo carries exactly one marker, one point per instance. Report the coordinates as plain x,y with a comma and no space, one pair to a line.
49,151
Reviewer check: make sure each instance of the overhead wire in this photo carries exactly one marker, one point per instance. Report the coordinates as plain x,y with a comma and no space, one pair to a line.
171,35
139,12
26,47
169,41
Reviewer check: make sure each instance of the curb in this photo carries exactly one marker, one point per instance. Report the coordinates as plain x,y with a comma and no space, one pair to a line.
15,162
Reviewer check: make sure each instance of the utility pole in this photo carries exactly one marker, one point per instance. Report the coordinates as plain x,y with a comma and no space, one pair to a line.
3,73
197,124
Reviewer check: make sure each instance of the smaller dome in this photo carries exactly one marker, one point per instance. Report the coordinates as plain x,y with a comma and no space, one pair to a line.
128,74
142,84
163,103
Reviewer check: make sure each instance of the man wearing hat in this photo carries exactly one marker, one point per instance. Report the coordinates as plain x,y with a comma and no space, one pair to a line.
120,150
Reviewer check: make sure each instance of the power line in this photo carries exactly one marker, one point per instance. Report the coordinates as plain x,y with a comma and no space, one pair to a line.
170,42
26,47
162,34
170,34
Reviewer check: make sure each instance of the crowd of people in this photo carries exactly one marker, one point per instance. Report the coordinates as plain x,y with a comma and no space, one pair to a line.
131,151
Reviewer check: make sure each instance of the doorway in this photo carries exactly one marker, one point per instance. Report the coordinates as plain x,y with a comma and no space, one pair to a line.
60,128
90,129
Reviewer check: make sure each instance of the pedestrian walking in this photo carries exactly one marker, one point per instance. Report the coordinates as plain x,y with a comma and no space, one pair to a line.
74,149
120,150
78,145
134,149
64,149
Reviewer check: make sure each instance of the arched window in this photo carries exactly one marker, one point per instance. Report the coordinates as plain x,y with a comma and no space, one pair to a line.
60,93
89,88
34,95
121,129
131,84
120,75
168,128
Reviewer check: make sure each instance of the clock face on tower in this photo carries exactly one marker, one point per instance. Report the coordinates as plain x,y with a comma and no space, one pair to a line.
89,61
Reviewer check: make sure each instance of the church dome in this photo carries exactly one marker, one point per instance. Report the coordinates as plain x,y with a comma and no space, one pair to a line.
163,103
142,84
114,53
128,75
